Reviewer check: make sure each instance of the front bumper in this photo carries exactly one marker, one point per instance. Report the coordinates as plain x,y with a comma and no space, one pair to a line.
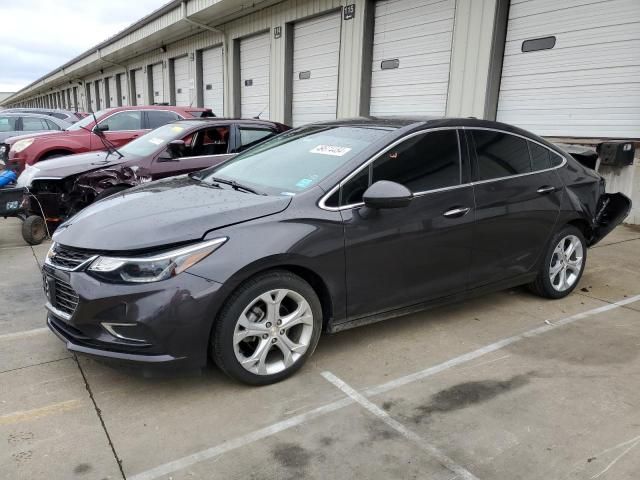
163,323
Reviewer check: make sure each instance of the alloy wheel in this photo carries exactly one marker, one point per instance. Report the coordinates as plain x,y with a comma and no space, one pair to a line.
566,263
273,332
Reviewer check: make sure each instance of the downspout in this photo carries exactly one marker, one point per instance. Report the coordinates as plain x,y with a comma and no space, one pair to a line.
225,50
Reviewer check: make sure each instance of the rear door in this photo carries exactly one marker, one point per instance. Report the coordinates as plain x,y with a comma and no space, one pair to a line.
406,256
518,195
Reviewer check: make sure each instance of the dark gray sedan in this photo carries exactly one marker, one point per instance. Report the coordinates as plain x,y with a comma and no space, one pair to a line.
322,228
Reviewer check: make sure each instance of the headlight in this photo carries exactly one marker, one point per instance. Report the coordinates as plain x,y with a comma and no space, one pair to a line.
20,145
156,267
25,178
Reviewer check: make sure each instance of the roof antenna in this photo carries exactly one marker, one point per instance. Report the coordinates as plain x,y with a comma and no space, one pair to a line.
257,117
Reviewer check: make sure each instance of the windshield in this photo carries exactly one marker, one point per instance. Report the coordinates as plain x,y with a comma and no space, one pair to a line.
88,120
295,161
152,141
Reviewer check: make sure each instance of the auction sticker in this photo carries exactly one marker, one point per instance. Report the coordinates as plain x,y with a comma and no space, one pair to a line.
156,141
333,150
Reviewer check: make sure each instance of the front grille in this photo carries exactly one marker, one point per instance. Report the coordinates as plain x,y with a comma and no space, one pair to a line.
4,152
65,297
68,258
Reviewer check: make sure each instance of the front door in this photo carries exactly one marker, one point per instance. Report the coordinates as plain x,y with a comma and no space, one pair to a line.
204,148
406,256
518,200
122,127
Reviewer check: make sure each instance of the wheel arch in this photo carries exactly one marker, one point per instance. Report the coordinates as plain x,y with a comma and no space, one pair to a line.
308,274
54,151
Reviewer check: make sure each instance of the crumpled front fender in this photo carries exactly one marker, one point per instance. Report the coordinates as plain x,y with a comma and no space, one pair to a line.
100,180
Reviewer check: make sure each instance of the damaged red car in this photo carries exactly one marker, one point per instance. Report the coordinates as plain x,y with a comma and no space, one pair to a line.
61,187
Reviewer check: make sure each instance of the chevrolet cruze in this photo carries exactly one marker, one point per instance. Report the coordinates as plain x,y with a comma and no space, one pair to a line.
322,228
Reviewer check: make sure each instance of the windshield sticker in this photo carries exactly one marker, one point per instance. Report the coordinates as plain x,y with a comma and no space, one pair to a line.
156,141
304,183
332,150
177,129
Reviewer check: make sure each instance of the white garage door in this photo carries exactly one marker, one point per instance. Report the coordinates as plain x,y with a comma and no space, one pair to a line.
573,71
139,88
255,55
316,55
157,82
181,81
411,57
113,93
124,93
212,80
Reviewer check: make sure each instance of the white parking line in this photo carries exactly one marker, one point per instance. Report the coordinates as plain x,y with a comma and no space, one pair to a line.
26,333
277,427
443,459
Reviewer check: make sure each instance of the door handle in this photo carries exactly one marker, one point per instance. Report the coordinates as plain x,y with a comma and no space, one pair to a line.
546,189
456,212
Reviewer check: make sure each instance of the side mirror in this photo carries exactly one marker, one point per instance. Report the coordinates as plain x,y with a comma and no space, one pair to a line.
175,149
385,194
100,129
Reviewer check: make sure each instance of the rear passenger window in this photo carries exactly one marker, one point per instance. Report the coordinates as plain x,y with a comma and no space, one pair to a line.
252,136
500,154
556,160
158,118
539,157
425,162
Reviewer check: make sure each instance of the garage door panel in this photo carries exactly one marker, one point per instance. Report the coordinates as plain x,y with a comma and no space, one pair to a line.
601,35
419,36
212,76
411,33
393,16
587,83
596,57
255,58
623,75
181,81
157,80
316,50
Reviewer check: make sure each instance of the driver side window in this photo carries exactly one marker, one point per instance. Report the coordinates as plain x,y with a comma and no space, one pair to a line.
211,141
425,162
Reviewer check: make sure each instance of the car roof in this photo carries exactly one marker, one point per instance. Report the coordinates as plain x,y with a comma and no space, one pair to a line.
157,107
196,121
420,122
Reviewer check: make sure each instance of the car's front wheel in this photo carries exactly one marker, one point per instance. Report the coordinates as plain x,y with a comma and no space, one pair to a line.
267,329
563,264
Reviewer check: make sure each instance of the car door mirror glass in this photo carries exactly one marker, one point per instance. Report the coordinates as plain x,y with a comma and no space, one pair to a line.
385,194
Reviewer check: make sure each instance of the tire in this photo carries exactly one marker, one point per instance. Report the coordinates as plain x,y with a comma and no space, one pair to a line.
34,230
246,303
549,282
110,191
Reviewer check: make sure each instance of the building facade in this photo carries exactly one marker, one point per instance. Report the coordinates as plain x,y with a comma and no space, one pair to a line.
565,69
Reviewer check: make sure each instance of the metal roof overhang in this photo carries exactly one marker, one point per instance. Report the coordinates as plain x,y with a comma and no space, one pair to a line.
161,27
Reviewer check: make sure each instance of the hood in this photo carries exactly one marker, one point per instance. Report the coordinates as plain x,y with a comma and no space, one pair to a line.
74,164
162,213
14,139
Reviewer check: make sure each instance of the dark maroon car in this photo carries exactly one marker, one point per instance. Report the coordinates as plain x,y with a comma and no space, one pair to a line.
65,185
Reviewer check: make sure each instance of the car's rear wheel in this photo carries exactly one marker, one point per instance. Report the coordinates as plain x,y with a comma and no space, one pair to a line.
563,264
267,329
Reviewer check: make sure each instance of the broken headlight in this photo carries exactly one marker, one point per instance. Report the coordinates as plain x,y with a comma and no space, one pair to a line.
153,267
